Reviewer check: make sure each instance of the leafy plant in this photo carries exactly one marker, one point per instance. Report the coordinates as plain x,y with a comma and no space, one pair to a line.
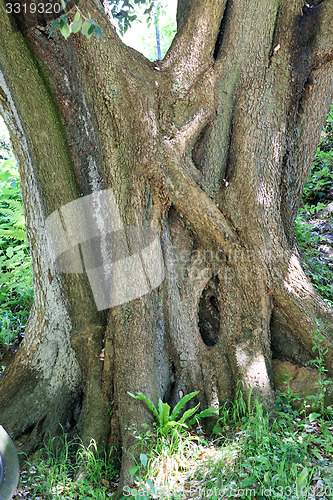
166,419
254,454
262,455
284,402
15,267
319,182
146,485
319,345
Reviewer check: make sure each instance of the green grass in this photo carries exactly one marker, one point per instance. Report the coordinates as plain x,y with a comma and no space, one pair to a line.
284,454
65,469
254,454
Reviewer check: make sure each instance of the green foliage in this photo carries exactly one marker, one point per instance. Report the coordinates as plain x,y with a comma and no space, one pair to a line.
319,269
87,25
15,266
284,403
66,469
138,472
319,183
313,234
125,13
321,349
255,454
237,411
166,420
320,179
274,455
267,456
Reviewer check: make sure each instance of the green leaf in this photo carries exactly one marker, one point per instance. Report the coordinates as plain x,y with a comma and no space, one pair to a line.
150,405
170,425
151,484
76,24
313,417
98,31
180,405
91,29
54,26
143,459
316,453
302,479
133,470
189,413
85,28
203,414
9,252
164,413
77,16
217,429
64,29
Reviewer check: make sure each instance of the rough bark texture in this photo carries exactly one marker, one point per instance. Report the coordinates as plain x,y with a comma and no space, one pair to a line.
211,147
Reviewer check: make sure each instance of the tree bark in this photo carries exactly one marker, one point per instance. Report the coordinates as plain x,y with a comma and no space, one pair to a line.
211,148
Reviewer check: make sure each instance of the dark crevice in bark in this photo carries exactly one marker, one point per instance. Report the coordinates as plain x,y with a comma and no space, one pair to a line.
275,31
222,29
304,35
219,39
199,149
305,32
169,395
209,313
285,346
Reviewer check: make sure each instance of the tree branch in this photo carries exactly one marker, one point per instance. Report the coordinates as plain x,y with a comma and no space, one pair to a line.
316,94
199,210
191,52
312,113
323,52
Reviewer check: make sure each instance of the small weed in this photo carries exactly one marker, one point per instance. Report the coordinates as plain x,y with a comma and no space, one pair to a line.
320,348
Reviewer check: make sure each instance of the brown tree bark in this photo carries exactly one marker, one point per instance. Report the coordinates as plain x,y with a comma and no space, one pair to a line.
211,147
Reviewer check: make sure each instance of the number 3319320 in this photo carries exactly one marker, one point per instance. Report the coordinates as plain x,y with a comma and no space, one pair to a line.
33,8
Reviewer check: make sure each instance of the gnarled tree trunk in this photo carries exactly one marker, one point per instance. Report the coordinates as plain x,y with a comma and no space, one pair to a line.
211,147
